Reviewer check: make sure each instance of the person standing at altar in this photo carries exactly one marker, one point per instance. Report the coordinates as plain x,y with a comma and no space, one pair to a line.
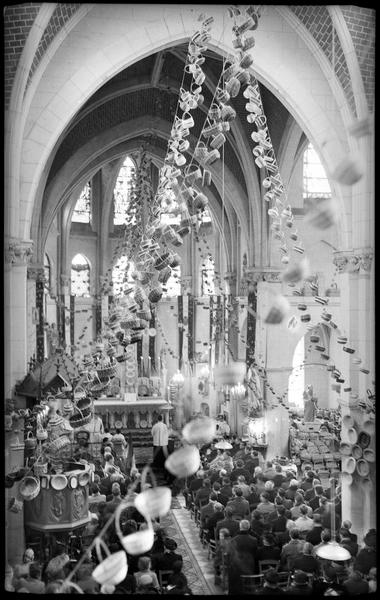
160,434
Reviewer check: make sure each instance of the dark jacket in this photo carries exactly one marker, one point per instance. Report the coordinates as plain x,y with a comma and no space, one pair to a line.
164,560
306,563
279,523
231,524
268,553
314,535
237,472
212,522
243,550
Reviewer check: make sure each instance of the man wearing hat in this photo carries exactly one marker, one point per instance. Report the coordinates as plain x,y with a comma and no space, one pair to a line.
271,584
367,556
300,585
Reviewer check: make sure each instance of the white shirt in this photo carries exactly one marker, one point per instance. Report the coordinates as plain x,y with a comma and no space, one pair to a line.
160,434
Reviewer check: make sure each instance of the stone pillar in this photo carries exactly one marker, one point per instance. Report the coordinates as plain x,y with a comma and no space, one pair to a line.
17,254
277,361
356,283
186,285
233,315
35,273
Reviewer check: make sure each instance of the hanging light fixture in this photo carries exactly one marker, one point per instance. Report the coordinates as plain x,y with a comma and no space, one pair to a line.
332,550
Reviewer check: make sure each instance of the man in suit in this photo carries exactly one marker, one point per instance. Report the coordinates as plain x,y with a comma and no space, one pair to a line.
314,535
243,549
208,510
238,504
213,519
163,561
240,470
225,493
227,523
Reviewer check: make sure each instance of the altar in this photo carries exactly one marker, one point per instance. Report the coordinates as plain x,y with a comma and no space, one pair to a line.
139,413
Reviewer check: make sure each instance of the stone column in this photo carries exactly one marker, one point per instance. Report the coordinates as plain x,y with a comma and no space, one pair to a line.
231,279
276,361
17,254
186,285
356,283
36,275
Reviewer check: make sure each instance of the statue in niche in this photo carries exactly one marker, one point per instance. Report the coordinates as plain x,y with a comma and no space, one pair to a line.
78,503
310,404
131,420
57,507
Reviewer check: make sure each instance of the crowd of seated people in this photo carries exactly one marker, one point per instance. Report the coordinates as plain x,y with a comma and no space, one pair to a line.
248,509
46,573
257,510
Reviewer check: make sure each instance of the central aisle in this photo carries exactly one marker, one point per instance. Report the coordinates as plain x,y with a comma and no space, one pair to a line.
198,569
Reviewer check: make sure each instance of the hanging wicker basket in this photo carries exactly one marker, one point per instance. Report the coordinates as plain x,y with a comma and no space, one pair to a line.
105,373
29,488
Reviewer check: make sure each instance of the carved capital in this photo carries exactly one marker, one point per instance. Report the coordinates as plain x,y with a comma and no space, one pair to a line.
267,274
18,252
354,261
36,272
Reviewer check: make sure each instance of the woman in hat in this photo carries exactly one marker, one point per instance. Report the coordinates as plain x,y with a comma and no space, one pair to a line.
300,585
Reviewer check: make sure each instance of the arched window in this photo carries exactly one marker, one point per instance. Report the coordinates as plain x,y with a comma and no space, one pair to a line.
122,275
80,276
208,277
82,210
173,285
47,273
297,376
122,191
315,182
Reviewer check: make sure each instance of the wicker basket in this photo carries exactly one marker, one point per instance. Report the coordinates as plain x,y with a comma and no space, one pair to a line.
164,275
105,373
29,488
155,295
77,420
162,261
84,405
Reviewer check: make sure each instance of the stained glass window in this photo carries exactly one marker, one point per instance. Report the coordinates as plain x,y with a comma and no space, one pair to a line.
315,182
208,277
82,210
173,285
122,191
80,276
122,275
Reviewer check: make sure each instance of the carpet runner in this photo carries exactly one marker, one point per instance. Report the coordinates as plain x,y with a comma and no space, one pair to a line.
199,570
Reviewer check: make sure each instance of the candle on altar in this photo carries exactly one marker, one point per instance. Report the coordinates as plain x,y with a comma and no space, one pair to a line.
142,366
149,365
